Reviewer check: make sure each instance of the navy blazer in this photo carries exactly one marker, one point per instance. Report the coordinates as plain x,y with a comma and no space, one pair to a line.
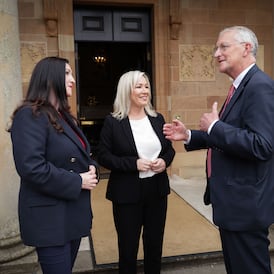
118,152
241,185
53,209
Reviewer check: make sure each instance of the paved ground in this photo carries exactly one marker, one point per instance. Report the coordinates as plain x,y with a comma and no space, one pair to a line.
204,265
210,263
213,268
197,266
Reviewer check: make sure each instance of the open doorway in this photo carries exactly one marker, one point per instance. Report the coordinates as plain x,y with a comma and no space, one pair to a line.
108,41
97,80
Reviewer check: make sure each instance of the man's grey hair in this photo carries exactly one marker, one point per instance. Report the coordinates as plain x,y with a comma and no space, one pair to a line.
244,35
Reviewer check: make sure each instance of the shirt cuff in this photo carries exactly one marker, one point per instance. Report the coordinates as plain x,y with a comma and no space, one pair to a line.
211,126
189,137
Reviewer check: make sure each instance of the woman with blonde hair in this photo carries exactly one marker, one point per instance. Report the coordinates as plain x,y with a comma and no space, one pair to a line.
133,147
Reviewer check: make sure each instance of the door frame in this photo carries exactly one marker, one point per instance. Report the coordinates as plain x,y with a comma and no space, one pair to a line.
159,43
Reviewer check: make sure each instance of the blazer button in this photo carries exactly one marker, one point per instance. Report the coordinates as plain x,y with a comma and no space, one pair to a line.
72,159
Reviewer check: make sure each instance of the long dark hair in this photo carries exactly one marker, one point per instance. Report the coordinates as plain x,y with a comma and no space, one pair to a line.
48,76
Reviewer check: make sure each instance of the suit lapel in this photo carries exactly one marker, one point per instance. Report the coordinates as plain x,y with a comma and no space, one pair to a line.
157,127
239,90
71,131
128,133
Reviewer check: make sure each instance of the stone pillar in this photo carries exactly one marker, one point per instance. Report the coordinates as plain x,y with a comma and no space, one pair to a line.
11,246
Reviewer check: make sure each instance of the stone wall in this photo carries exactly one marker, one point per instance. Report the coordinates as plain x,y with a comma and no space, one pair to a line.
186,79
34,41
195,82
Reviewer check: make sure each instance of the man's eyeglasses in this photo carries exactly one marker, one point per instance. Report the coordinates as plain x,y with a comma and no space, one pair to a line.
224,47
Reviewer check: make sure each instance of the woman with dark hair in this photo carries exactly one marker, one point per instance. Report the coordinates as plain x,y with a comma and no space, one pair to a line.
52,158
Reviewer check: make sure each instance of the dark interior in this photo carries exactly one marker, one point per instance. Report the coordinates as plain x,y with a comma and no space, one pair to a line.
97,81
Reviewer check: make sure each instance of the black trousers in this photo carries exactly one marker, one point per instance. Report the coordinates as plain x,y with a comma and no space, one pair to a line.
147,216
246,251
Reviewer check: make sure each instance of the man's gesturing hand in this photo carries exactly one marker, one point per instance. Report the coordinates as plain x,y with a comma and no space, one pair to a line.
208,118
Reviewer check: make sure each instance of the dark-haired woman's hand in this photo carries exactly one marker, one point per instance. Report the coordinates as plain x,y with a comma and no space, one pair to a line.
89,178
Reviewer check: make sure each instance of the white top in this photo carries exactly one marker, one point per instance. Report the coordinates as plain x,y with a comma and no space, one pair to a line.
147,143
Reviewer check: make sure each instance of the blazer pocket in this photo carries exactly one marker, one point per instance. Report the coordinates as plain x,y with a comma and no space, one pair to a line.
45,214
41,201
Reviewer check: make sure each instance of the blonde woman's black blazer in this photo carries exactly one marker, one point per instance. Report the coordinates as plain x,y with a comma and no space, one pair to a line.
117,152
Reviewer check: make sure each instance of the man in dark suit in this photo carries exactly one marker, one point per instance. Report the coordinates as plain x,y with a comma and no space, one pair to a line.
240,162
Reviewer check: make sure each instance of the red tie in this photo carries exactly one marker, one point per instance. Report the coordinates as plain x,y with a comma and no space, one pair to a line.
209,151
228,98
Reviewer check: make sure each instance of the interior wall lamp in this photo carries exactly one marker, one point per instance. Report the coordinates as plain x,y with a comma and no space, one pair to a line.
100,59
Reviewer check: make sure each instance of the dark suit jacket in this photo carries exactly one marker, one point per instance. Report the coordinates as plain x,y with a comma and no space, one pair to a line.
53,208
117,152
241,186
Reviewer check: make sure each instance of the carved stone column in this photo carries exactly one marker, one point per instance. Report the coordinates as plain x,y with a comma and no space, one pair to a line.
11,246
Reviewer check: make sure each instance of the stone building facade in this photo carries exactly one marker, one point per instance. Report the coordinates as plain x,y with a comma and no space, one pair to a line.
184,33
185,79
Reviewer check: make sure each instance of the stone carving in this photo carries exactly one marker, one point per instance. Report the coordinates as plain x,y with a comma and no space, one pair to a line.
31,53
51,28
50,17
196,63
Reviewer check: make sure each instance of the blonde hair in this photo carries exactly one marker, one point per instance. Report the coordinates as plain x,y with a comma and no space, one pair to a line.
126,84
